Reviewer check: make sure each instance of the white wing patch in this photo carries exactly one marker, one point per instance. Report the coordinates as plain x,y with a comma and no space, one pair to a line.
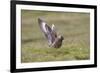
44,28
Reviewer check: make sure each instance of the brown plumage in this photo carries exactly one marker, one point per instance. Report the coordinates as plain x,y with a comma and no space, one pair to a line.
54,40
58,42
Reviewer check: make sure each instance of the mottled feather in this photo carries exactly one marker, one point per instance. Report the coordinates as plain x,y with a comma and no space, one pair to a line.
50,34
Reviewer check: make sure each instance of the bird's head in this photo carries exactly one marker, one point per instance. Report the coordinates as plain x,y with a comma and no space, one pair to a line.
61,37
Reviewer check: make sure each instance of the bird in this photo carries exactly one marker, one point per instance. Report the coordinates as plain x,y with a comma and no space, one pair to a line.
54,40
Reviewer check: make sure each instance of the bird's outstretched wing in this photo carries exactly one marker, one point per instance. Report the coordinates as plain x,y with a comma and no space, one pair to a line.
48,32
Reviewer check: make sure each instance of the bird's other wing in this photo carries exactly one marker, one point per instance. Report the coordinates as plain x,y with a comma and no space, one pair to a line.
53,27
46,30
54,30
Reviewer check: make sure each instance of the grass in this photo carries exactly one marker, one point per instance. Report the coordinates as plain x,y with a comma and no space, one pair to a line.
75,27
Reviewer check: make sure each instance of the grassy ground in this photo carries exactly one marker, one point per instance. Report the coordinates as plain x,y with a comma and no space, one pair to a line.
73,26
